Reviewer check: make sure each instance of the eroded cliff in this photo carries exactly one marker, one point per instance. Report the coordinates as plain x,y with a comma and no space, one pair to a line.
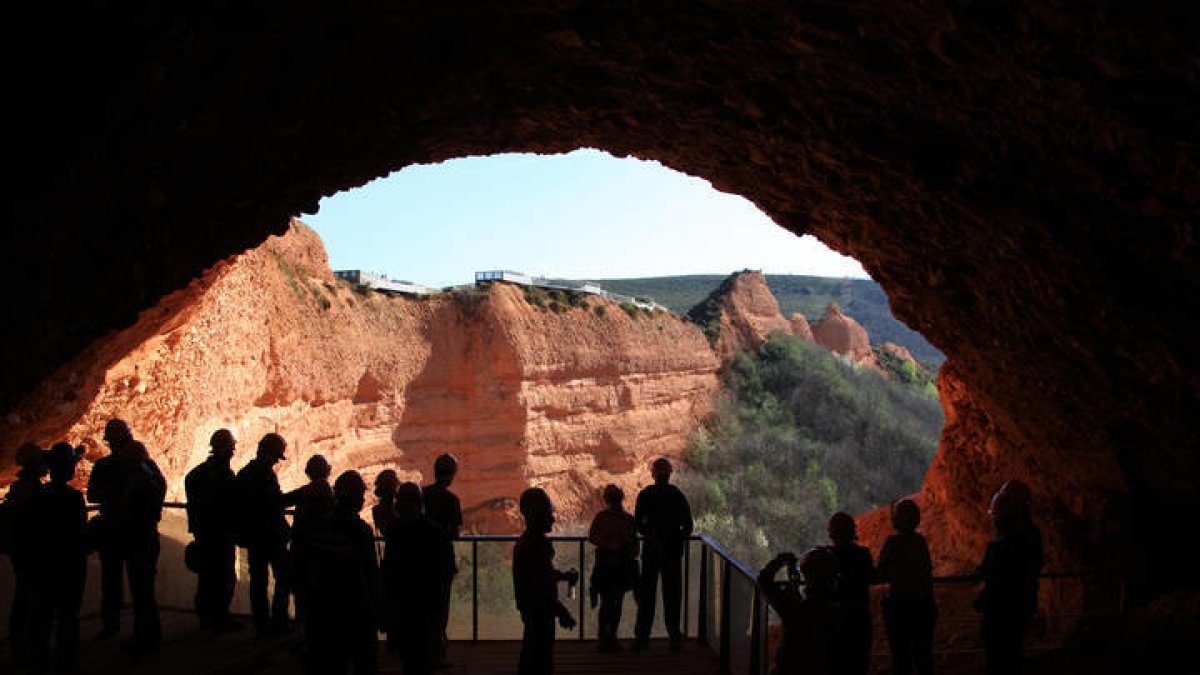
270,341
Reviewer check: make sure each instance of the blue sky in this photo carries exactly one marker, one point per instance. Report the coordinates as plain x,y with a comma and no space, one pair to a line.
582,215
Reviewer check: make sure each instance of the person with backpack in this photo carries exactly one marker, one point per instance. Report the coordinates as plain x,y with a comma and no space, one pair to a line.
615,571
856,571
909,610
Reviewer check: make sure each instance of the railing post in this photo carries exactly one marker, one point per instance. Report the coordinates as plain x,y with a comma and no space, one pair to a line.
703,601
474,591
726,597
579,585
687,574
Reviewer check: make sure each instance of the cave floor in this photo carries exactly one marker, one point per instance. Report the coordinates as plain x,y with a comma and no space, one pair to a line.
186,650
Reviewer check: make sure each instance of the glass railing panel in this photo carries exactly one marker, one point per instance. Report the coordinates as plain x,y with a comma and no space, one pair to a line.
741,600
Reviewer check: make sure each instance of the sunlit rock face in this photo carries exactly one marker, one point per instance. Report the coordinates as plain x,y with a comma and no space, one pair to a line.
269,341
843,335
749,314
1016,176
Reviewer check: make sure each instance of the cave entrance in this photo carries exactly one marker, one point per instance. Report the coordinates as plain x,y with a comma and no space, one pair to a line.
838,410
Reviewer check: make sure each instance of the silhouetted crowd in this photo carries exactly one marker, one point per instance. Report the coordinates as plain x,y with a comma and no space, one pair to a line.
346,591
825,604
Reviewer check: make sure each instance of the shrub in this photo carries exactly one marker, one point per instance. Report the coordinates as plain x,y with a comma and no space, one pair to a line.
798,434
599,310
629,309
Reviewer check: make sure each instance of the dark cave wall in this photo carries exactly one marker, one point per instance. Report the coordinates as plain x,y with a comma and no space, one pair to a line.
1020,179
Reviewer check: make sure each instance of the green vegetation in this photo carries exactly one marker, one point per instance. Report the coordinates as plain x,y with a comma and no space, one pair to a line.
798,435
630,309
862,299
707,314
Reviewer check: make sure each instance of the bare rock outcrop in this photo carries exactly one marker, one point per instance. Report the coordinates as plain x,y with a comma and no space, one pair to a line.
842,334
270,341
749,314
800,326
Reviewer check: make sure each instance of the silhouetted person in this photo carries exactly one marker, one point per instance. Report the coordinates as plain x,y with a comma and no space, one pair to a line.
57,519
211,511
1010,570
443,509
129,489
856,571
264,534
812,621
615,571
17,503
664,518
342,618
383,513
909,612
314,504
418,562
535,583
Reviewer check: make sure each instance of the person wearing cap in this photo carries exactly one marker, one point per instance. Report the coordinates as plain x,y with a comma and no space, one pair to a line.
129,489
57,519
535,583
615,571
314,505
418,561
15,509
444,510
812,621
909,611
856,571
210,499
1009,571
342,618
264,534
664,518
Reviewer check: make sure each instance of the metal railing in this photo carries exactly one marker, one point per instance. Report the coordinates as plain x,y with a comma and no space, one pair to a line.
722,605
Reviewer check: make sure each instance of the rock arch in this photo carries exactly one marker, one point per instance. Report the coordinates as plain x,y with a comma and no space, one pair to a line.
1018,178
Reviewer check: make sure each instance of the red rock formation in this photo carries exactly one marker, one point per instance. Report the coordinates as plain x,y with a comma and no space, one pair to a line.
843,335
749,314
270,341
800,327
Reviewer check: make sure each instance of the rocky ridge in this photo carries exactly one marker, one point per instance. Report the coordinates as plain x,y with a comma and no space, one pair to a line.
269,340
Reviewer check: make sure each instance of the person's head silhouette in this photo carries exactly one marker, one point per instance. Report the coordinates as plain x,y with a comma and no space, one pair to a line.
223,444
445,468
841,528
614,496
271,448
660,471
31,461
906,515
317,468
820,569
61,459
408,501
537,510
349,492
117,434
386,484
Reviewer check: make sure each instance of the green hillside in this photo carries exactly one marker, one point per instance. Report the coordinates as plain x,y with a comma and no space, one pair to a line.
862,299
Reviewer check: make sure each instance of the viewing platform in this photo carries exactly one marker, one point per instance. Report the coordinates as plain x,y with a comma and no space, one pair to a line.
728,626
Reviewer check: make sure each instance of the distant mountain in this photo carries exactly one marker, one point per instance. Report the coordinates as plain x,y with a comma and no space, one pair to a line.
862,299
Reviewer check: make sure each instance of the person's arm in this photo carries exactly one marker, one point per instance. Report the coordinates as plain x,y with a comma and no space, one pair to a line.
592,535
98,482
456,520
639,515
766,579
685,517
883,569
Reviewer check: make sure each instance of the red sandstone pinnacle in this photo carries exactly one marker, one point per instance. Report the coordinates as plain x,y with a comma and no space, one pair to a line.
800,327
843,335
749,314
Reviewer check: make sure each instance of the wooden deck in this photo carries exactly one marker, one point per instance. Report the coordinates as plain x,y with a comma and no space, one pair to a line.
186,650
